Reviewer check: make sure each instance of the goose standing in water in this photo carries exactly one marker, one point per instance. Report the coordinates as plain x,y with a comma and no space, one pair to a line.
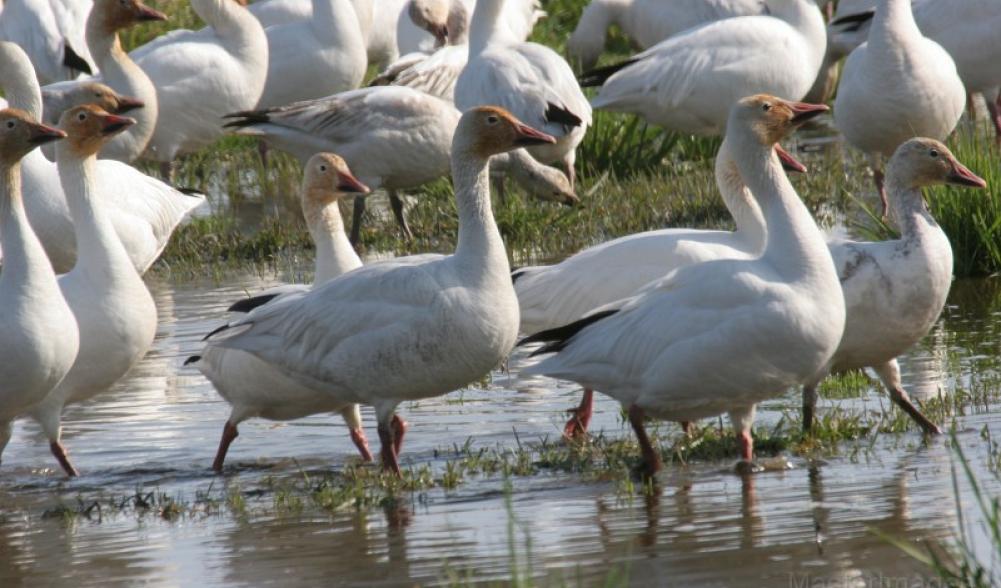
39,339
691,344
895,290
897,85
530,80
435,322
113,308
256,388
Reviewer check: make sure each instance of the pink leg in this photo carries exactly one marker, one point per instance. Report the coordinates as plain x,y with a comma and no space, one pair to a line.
651,457
571,174
60,452
576,427
387,449
358,437
877,176
229,433
746,444
399,429
903,400
686,427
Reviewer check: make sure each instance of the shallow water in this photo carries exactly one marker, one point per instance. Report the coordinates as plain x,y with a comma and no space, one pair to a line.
157,431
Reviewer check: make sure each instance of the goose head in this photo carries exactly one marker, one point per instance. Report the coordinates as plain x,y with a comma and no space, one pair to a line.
922,162
432,16
89,127
101,95
771,119
19,134
488,130
548,183
116,15
326,179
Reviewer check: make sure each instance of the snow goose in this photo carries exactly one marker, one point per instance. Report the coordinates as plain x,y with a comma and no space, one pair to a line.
555,295
530,80
915,80
113,308
52,33
143,210
895,290
688,82
119,71
689,345
316,57
38,333
202,75
648,22
86,92
440,321
392,138
256,388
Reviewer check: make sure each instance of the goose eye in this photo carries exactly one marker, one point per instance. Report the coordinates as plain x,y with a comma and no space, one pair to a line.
323,168
10,124
492,119
766,107
933,153
81,116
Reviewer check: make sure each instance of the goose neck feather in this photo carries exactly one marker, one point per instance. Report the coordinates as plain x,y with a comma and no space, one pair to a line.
893,24
99,250
485,28
334,253
795,247
23,256
479,239
228,18
17,78
738,199
907,207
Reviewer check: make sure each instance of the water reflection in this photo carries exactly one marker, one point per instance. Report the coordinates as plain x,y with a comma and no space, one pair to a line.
702,525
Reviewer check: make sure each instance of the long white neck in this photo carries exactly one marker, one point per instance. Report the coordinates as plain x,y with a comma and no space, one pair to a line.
99,250
795,246
893,24
121,73
336,21
738,199
485,26
24,260
458,23
805,17
334,253
907,207
230,20
17,78
480,244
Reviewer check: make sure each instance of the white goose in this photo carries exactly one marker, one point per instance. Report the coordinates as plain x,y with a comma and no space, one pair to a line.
316,57
256,388
915,80
113,308
426,25
688,82
52,33
530,80
202,75
393,138
895,290
966,29
119,71
659,353
648,22
143,210
38,334
555,295
84,92
441,322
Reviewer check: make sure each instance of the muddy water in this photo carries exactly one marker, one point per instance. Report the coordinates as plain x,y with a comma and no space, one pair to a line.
157,431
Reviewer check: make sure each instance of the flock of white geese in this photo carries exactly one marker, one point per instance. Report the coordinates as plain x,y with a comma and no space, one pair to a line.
677,324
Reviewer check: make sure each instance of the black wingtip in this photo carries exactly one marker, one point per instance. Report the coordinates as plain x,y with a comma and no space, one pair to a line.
216,331
249,304
599,76
245,118
516,273
560,337
558,114
72,60
857,19
189,191
192,359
